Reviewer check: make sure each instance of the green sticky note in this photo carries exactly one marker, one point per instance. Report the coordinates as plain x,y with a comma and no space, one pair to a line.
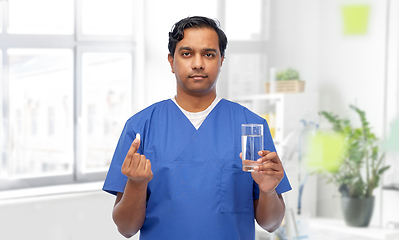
325,152
392,143
355,19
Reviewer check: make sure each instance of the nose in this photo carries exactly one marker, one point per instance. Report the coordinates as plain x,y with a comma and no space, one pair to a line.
198,62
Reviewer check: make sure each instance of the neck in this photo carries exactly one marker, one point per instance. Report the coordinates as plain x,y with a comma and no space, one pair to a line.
192,103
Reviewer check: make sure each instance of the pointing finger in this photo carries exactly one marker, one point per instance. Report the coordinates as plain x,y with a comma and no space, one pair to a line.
135,144
132,150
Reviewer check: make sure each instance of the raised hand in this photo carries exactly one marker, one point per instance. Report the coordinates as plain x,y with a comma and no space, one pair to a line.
269,174
135,166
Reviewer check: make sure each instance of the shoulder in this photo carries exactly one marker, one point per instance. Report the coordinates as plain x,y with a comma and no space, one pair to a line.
154,107
149,111
228,104
142,119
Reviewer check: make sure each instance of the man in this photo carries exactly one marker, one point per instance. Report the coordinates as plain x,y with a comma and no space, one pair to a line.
184,178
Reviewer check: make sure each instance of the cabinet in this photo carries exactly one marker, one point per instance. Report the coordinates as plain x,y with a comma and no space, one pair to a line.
284,112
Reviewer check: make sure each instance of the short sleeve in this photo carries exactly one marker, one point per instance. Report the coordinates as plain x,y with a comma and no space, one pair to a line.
115,181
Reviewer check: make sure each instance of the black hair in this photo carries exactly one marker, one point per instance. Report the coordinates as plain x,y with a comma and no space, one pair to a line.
177,32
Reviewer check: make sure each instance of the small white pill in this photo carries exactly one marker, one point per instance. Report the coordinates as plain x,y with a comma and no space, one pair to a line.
138,136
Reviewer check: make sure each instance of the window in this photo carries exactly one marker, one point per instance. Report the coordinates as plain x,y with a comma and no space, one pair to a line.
40,95
106,84
248,48
66,91
68,77
253,31
118,20
30,17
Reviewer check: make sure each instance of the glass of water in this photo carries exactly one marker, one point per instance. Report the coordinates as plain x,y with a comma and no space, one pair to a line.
251,143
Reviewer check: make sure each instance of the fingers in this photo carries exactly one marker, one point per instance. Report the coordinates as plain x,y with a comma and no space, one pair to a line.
135,166
133,148
136,162
270,162
269,168
268,156
148,168
263,153
135,145
139,162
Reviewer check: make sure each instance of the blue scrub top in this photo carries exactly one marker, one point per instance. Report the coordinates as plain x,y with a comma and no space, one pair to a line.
199,190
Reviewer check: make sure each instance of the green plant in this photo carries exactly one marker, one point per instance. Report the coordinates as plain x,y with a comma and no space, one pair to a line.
361,167
288,74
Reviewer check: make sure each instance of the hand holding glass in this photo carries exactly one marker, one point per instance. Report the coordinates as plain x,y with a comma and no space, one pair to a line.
252,143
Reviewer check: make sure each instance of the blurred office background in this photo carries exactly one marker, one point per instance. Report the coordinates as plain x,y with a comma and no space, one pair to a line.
73,71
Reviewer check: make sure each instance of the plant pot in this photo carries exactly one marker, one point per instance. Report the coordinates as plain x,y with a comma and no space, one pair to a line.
357,211
287,86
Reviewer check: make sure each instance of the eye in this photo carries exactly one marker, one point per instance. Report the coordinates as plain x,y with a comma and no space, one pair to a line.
210,55
186,54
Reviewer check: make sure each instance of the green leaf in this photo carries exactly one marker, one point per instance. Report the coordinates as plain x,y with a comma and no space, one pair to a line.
361,156
383,169
288,74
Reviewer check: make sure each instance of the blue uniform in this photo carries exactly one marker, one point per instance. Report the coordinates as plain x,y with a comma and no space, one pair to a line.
199,190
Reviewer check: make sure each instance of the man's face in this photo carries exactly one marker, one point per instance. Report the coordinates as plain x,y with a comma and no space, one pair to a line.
197,61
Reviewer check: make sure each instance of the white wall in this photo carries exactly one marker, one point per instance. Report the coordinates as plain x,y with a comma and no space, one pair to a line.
352,71
352,66
60,217
344,69
295,32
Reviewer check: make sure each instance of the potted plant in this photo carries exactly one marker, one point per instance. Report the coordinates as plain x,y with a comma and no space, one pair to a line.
287,81
360,168
287,74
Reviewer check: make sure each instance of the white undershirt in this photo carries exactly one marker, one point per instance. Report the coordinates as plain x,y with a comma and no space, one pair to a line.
198,118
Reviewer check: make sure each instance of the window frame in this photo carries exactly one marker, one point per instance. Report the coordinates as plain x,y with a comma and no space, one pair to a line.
78,44
82,176
103,38
261,46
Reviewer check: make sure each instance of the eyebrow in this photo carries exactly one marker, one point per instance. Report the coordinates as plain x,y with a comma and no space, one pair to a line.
210,50
205,49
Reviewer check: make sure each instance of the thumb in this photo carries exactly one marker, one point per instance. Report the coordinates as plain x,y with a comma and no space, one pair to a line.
136,143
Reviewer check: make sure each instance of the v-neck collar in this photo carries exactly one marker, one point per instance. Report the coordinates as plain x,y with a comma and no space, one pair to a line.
186,113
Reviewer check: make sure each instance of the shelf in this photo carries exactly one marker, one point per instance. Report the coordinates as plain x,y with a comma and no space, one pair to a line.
335,229
394,187
322,227
284,111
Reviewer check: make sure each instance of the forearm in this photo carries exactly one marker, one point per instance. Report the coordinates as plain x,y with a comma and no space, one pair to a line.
129,211
270,210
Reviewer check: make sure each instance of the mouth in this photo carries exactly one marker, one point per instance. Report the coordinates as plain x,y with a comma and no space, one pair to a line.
198,77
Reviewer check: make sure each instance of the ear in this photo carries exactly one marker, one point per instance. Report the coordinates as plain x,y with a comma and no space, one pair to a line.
221,62
170,59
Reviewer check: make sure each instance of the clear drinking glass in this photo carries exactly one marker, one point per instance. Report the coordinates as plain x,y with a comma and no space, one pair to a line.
252,143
